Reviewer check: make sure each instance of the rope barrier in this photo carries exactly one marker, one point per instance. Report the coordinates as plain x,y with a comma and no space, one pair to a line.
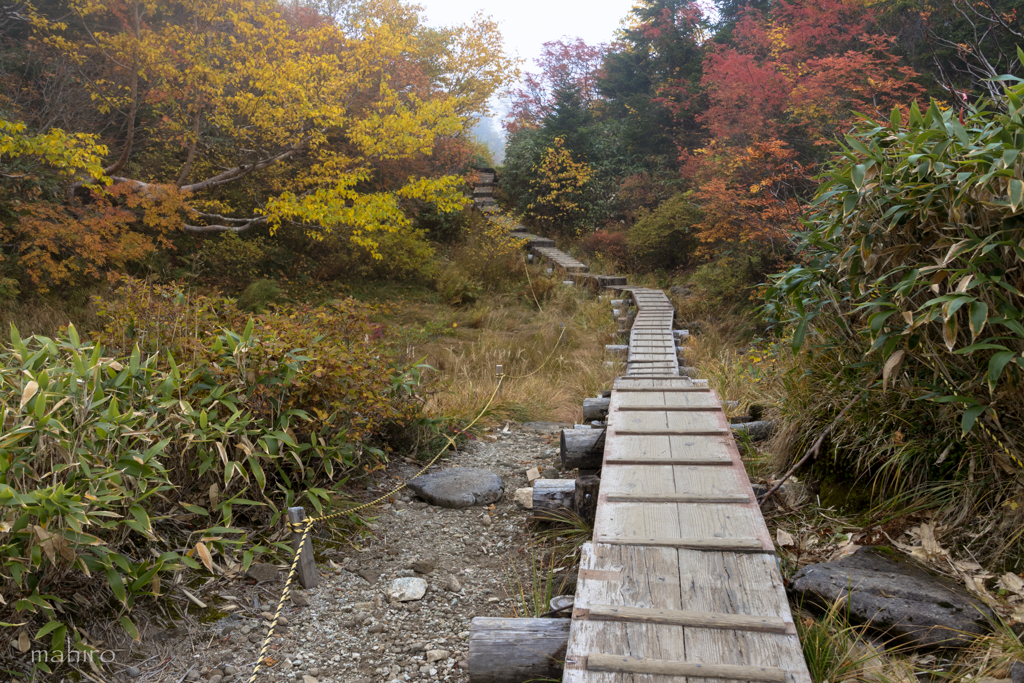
305,527
981,423
561,336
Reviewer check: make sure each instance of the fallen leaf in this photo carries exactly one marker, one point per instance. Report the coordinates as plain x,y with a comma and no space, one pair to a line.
1011,582
204,555
784,539
23,642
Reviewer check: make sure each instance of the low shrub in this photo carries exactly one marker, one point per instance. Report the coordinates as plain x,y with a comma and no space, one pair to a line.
608,245
665,237
258,296
169,414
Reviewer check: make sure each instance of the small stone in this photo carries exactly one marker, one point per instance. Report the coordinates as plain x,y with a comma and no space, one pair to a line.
362,606
406,589
1017,672
309,679
487,521
314,671
192,675
524,498
436,655
452,585
133,672
216,679
230,670
550,472
422,566
464,664
532,474
255,637
262,571
299,599
369,575
376,628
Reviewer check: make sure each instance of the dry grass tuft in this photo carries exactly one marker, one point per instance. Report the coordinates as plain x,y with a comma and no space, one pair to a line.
545,381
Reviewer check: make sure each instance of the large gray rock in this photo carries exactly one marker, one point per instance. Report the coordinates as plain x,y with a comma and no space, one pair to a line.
459,487
895,595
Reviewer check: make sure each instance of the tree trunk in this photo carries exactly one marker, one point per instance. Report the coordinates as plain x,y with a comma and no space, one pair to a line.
582,448
505,650
595,408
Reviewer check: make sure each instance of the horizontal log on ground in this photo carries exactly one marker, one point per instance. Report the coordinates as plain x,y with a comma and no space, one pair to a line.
756,431
616,349
553,494
503,650
582,448
595,408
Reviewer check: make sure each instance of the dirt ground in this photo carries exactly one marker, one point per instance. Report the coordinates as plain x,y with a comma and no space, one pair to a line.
473,561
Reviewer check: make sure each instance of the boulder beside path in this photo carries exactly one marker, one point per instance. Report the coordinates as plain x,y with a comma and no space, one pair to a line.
895,595
459,487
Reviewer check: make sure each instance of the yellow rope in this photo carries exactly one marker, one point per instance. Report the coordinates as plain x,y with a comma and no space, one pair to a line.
981,423
561,336
526,267
305,527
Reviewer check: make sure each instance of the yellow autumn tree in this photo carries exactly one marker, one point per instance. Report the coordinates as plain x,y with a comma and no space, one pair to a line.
560,185
256,113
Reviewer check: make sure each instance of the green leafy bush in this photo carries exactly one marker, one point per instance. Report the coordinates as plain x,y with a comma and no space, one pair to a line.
663,238
147,449
913,268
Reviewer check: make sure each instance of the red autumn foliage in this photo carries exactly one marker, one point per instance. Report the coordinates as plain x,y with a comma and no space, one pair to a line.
563,64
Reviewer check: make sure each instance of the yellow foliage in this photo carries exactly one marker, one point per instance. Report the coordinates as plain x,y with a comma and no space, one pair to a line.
560,183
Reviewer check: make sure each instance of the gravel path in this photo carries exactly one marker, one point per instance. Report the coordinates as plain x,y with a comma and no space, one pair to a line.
348,629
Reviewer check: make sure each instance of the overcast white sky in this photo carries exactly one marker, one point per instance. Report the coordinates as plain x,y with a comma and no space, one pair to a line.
527,24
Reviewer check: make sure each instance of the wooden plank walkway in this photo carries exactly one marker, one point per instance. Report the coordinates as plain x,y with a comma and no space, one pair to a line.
680,582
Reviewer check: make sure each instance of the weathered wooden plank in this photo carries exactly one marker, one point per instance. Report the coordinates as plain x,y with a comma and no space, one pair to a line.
670,432
685,617
657,586
667,461
736,545
677,446
709,498
635,665
671,422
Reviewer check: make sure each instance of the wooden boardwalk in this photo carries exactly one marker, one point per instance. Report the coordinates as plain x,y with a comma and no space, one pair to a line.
680,582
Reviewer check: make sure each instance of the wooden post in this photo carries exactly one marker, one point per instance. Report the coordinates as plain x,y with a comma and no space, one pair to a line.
584,500
595,408
561,334
498,371
503,650
307,563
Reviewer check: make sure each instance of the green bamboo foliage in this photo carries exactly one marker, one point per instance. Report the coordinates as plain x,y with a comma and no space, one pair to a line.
914,257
